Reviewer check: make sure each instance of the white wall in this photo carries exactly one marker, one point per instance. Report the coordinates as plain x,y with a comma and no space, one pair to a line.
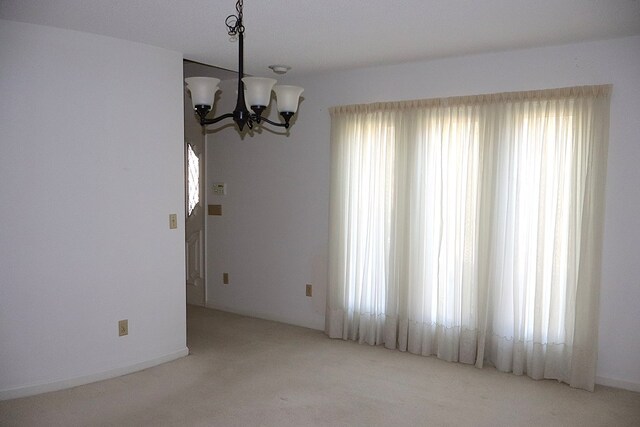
273,238
91,165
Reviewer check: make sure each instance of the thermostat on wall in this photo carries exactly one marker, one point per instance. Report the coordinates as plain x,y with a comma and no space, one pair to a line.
219,188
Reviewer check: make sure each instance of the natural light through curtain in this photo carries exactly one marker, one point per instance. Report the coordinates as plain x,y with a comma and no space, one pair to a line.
470,228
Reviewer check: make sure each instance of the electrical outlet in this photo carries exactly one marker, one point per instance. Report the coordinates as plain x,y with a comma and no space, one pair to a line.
309,290
123,327
225,278
173,221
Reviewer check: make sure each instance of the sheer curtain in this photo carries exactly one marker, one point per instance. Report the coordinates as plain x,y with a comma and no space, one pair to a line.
470,228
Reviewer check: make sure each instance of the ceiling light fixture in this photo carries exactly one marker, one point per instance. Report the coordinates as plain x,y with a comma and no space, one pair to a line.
255,91
279,69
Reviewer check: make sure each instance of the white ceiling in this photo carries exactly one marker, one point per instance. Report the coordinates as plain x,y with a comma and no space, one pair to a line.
321,35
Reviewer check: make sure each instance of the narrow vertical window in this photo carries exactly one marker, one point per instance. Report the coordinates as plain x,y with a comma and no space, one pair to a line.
193,179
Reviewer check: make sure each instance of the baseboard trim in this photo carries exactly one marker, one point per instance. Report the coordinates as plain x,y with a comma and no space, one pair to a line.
265,316
614,382
31,390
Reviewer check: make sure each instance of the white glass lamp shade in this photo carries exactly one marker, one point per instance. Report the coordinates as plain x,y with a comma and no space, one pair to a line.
287,98
203,90
258,90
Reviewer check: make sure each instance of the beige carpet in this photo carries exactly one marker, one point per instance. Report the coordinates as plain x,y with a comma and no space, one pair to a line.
251,372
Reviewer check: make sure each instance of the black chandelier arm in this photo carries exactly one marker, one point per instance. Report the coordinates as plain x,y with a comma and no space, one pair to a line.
247,119
204,122
264,119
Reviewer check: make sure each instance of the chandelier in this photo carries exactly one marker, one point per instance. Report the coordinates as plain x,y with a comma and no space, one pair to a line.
254,91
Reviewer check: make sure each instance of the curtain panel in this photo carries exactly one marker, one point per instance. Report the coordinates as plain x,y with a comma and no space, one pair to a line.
470,228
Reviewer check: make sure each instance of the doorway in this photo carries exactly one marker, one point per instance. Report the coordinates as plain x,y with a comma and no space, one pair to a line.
195,188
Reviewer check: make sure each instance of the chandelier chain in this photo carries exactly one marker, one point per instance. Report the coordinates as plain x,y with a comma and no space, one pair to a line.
234,22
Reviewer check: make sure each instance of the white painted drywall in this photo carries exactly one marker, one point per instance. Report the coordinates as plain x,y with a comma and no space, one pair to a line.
272,238
91,166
